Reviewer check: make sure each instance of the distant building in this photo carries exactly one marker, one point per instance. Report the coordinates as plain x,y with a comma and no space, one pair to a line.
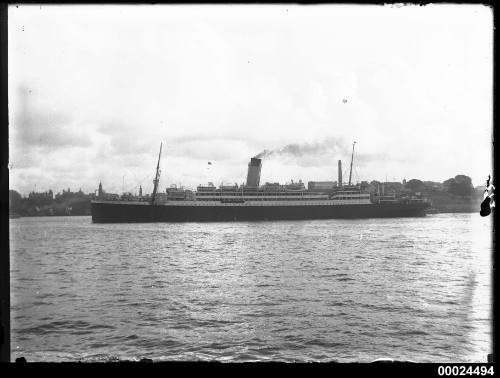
102,195
41,198
69,195
100,192
434,185
393,185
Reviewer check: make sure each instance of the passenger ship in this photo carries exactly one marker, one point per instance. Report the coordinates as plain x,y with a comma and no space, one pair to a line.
252,201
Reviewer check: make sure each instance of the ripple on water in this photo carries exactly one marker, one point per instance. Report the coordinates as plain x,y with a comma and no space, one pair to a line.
252,291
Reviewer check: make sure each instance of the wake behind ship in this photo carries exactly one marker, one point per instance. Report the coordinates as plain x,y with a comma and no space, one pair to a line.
252,201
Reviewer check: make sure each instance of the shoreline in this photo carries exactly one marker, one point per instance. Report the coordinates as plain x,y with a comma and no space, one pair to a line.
88,215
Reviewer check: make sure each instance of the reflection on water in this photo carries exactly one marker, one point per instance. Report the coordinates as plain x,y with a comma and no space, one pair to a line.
344,290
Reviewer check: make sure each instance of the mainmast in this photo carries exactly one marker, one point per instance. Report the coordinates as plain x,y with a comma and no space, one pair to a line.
352,157
157,178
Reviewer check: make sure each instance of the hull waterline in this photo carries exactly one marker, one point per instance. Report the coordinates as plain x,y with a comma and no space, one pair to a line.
109,212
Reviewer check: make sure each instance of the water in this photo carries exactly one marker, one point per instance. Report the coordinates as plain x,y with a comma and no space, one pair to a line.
342,290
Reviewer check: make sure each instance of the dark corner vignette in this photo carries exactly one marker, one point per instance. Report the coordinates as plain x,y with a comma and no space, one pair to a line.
4,204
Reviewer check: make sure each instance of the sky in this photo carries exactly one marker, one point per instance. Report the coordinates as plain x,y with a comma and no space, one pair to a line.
94,90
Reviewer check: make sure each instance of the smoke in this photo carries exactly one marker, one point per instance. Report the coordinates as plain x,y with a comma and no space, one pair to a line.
323,152
328,146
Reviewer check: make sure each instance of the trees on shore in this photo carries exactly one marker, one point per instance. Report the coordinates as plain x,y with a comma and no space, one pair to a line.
78,203
460,185
74,203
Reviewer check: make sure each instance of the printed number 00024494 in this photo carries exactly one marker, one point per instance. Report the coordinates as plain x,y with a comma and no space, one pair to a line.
466,370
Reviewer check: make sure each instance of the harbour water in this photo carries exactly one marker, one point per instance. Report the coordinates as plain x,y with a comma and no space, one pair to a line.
415,289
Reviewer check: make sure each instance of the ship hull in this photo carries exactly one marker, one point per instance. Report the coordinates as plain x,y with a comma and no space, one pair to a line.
109,212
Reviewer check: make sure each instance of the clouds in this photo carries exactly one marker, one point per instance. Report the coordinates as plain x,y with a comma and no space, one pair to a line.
44,127
222,83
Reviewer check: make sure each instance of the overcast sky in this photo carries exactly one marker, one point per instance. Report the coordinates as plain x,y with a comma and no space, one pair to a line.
93,90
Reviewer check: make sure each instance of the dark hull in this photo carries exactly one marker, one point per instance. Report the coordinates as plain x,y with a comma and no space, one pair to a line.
109,212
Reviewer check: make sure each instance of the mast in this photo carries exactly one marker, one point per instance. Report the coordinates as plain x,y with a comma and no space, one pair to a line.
157,178
340,174
352,157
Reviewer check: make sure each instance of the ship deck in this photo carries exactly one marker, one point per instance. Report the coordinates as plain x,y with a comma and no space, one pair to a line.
253,202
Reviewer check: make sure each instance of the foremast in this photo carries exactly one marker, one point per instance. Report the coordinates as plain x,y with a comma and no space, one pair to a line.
157,178
352,157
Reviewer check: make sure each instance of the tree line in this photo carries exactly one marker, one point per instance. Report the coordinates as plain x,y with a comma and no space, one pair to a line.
65,203
456,190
